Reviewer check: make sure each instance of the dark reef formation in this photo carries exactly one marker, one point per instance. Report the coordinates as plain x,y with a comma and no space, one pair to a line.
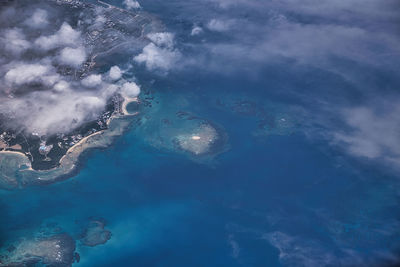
95,234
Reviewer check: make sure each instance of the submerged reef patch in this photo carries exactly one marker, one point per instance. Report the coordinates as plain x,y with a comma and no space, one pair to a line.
55,242
53,251
199,141
95,234
270,118
184,133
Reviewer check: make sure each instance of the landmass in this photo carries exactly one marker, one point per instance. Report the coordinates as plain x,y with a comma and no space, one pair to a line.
29,158
17,170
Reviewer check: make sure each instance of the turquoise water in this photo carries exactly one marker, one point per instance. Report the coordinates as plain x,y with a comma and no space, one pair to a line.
273,192
167,209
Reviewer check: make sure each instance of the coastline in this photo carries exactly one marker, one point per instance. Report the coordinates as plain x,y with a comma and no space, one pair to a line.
12,152
125,103
16,169
21,165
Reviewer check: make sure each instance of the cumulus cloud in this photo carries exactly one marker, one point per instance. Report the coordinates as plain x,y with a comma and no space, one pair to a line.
66,36
44,86
162,39
131,4
155,57
160,54
38,20
92,81
115,73
26,73
14,41
54,114
73,57
130,89
61,86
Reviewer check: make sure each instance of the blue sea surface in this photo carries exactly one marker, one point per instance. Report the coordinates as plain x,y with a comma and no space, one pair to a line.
269,196
165,209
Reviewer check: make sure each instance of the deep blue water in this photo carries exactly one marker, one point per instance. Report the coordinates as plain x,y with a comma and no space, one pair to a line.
164,209
271,199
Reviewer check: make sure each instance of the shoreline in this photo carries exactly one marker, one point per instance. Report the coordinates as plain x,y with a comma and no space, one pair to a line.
17,169
126,102
79,144
12,152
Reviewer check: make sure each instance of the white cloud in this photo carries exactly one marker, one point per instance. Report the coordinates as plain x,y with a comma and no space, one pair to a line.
65,107
160,54
162,39
73,57
92,81
66,36
131,4
38,20
31,73
130,89
14,41
37,92
196,31
155,57
55,114
374,132
115,73
61,86
220,25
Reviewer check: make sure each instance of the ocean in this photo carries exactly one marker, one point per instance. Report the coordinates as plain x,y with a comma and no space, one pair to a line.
272,191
